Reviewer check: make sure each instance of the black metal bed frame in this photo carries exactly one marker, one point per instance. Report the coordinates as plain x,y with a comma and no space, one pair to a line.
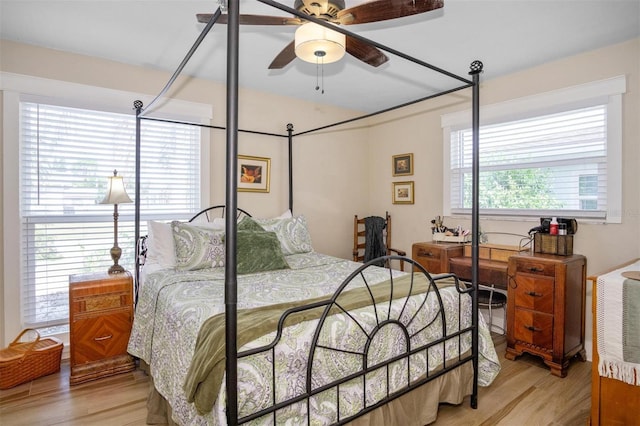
397,319
232,131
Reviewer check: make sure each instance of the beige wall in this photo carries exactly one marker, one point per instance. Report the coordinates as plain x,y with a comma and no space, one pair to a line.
323,163
342,172
420,132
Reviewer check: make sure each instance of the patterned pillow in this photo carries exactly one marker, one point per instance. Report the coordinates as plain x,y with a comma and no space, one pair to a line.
292,233
197,248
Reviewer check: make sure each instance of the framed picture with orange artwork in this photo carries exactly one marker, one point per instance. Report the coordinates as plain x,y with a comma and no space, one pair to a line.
254,173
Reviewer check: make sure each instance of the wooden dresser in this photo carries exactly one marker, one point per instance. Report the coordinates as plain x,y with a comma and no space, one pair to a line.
100,318
546,309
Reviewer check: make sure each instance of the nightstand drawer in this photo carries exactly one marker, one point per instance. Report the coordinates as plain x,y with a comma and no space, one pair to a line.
534,328
89,306
534,293
101,337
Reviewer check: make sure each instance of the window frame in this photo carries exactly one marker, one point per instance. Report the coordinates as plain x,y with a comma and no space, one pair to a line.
608,91
17,88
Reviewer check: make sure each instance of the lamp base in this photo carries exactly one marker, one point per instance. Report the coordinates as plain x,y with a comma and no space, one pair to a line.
115,255
116,269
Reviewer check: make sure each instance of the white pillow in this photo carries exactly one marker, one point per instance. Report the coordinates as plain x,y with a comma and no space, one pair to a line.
160,245
286,215
219,223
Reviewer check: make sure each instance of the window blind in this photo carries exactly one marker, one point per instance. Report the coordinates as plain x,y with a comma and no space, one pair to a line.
66,156
553,164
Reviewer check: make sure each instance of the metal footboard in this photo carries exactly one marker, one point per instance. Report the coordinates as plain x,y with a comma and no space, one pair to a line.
403,314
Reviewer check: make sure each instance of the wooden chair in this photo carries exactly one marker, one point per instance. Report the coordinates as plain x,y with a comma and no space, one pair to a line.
360,243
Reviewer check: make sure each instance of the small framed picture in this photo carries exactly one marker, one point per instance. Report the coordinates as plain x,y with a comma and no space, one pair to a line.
403,192
403,165
254,173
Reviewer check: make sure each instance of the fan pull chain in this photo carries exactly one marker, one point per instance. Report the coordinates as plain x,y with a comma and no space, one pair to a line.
320,71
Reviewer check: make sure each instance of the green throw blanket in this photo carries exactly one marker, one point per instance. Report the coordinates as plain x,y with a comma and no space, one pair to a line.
206,371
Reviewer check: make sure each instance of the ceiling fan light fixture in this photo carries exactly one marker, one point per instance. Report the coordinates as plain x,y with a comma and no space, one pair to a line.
315,43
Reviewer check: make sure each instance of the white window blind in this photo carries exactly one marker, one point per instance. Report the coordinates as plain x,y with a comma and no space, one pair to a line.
541,165
66,155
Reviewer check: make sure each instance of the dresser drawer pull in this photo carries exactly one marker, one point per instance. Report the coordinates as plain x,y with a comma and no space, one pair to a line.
532,328
99,339
534,294
425,253
534,269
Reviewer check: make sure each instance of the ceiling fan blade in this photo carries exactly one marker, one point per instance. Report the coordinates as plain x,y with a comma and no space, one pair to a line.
252,19
382,10
284,58
365,52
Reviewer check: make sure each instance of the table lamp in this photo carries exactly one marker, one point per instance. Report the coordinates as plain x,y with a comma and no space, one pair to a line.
116,194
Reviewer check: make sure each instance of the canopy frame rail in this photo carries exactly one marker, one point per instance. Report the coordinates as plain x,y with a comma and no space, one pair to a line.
232,144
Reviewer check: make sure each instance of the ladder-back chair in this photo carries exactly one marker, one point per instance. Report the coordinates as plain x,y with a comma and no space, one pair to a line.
360,239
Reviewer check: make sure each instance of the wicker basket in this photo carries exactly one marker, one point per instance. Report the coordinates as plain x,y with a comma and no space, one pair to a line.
25,361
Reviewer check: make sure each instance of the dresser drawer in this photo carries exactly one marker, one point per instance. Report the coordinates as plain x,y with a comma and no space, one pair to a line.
434,257
534,328
101,337
535,267
428,253
490,273
534,293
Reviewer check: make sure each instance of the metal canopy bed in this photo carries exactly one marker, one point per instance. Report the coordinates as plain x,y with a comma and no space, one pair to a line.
372,369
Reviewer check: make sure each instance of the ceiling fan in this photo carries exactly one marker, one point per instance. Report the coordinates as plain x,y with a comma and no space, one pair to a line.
327,45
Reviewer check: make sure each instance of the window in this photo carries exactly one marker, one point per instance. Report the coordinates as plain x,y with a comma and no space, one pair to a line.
588,192
66,155
539,157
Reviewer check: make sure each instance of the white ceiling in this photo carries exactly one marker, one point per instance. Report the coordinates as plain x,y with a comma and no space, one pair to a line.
506,35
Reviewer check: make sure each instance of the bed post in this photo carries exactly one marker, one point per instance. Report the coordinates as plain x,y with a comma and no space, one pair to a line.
476,69
290,136
137,105
231,273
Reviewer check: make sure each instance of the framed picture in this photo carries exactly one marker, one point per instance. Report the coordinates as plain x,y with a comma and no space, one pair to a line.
403,192
403,165
254,173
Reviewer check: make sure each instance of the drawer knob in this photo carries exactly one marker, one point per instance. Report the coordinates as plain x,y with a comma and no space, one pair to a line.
534,294
99,339
534,269
425,253
532,328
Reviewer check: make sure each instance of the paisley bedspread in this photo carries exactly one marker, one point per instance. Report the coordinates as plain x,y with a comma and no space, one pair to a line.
173,305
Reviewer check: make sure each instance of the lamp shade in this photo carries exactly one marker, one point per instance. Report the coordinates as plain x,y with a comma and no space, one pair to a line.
315,43
116,193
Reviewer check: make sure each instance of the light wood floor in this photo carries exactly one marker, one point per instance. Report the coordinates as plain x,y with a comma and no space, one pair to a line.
524,393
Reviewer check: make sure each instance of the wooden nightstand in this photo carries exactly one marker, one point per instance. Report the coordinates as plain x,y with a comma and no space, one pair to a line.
100,318
546,308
